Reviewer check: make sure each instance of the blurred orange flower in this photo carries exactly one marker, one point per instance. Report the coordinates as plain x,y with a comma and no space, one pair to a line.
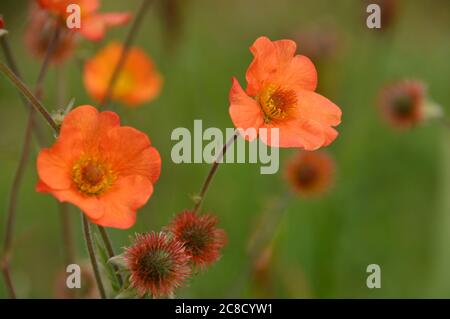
280,94
93,24
310,173
37,43
403,103
138,81
105,169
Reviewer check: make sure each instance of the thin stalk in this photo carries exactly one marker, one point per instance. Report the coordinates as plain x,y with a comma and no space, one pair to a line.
212,172
109,248
12,64
125,50
18,177
92,256
29,96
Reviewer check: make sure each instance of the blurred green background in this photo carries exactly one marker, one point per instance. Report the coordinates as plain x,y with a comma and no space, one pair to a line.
390,202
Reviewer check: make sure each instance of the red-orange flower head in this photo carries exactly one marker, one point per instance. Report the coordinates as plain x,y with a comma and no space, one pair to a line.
37,42
403,103
280,94
202,239
310,173
158,264
138,80
105,169
93,24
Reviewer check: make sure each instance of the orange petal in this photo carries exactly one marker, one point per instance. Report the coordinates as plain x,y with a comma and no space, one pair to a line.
54,169
114,19
274,63
89,123
295,133
130,153
92,28
120,204
313,106
90,205
244,111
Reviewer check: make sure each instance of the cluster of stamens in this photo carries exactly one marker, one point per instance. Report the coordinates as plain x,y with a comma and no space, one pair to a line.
276,103
92,176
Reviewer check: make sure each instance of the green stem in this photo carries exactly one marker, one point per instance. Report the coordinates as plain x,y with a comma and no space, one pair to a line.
110,250
92,256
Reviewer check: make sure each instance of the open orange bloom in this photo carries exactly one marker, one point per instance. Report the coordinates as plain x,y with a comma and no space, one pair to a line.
105,169
280,94
93,24
138,81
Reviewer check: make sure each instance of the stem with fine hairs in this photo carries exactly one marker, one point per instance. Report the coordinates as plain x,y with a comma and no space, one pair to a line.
212,172
18,176
124,53
92,256
110,250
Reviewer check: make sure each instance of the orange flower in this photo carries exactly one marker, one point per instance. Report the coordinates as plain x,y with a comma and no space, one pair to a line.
403,103
310,173
93,24
137,82
280,94
105,169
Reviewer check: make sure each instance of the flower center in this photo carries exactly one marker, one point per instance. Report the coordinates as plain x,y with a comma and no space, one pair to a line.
92,177
276,103
156,265
125,83
307,175
195,239
403,105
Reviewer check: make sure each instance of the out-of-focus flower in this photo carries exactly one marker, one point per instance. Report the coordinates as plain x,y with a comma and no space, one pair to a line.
2,22
202,239
39,33
403,103
280,94
138,80
310,173
158,264
105,169
93,23
318,44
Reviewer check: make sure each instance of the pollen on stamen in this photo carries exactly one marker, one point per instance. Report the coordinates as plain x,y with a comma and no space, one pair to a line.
92,177
276,103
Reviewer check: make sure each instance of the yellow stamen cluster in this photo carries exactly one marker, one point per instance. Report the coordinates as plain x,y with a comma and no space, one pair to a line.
92,177
276,103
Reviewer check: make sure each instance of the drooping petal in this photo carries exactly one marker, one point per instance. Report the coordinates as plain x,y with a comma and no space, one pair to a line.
245,112
295,133
316,107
